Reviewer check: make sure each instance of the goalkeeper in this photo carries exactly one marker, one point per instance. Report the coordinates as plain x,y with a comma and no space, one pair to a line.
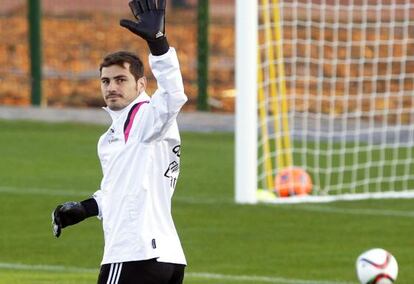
140,156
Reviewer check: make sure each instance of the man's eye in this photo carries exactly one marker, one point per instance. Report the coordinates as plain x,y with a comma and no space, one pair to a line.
105,82
120,80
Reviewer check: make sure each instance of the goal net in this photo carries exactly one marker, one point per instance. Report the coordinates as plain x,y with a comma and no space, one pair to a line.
324,87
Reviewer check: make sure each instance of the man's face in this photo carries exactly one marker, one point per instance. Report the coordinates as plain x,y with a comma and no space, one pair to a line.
119,87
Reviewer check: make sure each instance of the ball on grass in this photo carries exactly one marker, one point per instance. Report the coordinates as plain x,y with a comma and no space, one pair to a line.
293,181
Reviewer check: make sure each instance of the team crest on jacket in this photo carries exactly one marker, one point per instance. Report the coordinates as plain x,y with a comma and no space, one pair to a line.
111,136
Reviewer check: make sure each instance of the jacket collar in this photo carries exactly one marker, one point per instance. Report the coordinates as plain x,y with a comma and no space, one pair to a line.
115,114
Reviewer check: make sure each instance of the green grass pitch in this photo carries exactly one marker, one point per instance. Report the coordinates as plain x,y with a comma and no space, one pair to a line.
46,164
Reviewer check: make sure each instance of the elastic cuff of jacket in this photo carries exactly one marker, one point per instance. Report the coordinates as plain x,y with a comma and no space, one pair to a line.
91,207
159,46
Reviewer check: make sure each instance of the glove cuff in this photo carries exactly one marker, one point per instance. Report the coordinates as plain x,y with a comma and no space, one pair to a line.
91,207
159,46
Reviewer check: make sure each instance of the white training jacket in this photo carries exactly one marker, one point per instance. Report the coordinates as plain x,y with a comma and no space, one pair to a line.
140,158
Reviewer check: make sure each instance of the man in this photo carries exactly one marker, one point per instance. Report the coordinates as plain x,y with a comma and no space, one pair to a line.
140,156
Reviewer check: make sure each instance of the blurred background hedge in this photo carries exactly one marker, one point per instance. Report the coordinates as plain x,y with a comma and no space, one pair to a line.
77,34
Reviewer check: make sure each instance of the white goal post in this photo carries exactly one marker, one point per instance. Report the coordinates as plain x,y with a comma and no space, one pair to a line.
246,102
326,87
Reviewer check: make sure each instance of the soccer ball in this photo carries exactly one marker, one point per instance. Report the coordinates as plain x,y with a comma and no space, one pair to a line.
376,266
292,181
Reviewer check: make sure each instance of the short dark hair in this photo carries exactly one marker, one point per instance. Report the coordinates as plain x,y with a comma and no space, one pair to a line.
136,67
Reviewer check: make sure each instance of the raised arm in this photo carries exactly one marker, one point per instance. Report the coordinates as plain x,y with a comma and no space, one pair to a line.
169,97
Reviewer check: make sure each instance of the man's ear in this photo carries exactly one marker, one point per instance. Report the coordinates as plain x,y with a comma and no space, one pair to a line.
142,84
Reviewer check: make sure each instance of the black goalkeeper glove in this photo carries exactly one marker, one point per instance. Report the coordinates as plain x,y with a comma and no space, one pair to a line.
150,24
70,213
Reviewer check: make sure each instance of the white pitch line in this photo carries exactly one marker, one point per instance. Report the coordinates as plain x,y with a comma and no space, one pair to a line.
46,267
195,275
43,191
261,279
64,192
358,211
190,200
